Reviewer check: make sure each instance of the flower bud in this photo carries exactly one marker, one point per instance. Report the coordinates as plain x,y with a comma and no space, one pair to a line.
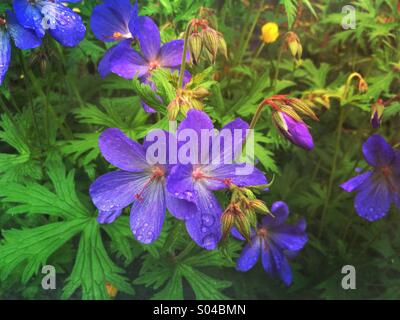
112,291
292,127
377,110
362,85
173,109
259,206
196,46
200,93
269,32
294,45
211,41
227,221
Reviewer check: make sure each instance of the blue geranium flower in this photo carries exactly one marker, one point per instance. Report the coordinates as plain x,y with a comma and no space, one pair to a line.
275,242
128,63
377,189
196,181
138,183
114,20
63,24
23,39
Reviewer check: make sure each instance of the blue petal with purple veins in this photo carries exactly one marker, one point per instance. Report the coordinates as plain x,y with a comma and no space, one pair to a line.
205,227
128,63
116,190
354,183
122,152
111,17
29,16
249,256
377,151
148,213
171,54
149,38
107,217
23,38
373,200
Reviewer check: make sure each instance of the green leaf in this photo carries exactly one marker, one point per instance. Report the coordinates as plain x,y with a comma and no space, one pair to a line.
291,10
33,247
93,268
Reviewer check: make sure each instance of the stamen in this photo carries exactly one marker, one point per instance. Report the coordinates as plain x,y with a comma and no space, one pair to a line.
157,173
154,65
197,174
117,35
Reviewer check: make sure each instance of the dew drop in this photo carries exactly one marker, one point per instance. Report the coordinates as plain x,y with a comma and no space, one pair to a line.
208,220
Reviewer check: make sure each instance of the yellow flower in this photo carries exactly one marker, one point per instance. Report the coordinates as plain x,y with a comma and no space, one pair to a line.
270,32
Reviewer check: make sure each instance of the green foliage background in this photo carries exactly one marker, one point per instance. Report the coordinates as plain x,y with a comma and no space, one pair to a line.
54,105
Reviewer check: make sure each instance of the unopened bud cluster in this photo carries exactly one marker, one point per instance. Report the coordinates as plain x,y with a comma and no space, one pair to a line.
205,42
241,212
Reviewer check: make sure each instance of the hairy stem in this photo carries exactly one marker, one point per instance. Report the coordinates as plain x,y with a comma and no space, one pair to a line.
185,49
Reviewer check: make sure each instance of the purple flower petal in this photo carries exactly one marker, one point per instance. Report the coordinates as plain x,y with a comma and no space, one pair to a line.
280,210
133,27
289,237
236,234
205,227
128,63
238,130
148,213
107,217
116,190
5,54
171,54
68,28
180,183
180,209
275,263
233,173
110,18
196,121
377,151
149,38
355,182
105,62
249,256
122,152
29,16
373,200
23,38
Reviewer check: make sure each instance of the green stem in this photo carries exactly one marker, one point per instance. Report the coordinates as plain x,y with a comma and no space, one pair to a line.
185,48
333,170
260,49
250,34
257,115
277,69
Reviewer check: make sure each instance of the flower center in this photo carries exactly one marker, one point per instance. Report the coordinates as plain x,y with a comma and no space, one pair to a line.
386,171
262,232
158,173
154,65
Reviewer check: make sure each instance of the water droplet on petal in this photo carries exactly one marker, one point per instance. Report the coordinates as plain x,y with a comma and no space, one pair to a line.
208,220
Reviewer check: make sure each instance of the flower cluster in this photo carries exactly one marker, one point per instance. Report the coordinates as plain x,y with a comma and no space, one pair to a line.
28,25
185,181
